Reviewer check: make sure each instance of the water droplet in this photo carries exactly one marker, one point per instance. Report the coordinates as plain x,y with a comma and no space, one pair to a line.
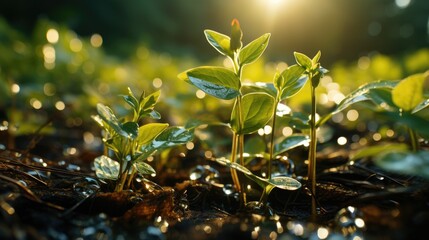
204,173
86,187
37,159
162,224
228,189
73,167
350,222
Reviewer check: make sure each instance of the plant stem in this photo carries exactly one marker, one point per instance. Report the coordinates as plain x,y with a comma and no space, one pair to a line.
233,159
264,196
131,176
413,139
312,152
238,139
241,150
273,127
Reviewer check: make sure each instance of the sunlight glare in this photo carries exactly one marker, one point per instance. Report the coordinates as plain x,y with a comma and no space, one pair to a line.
274,2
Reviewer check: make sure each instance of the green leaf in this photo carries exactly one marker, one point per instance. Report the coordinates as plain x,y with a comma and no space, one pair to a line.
254,145
171,137
260,87
412,163
253,50
316,58
216,81
291,142
236,35
144,168
290,81
131,100
110,119
303,60
131,128
377,92
382,97
155,115
408,94
285,183
150,131
421,106
219,41
106,168
147,104
375,150
256,111
361,94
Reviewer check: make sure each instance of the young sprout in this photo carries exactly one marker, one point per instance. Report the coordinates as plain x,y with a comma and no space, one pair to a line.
132,143
251,111
314,72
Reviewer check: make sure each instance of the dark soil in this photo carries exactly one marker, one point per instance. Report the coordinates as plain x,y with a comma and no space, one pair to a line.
60,198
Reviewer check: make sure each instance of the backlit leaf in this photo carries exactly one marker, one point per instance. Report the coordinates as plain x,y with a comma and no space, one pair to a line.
409,92
150,131
110,119
216,81
256,110
219,41
360,94
290,81
254,50
303,60
144,168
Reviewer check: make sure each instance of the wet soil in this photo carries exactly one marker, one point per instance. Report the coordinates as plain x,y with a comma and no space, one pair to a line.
60,198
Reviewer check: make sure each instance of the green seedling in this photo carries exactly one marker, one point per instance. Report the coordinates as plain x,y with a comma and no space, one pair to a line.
314,72
130,142
282,182
251,111
401,101
285,85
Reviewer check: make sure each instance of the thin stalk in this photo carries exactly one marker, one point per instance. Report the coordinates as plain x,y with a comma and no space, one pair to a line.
264,197
131,176
413,139
233,159
241,150
238,140
121,178
273,127
312,152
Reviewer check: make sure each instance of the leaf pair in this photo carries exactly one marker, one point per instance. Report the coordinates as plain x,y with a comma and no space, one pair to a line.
229,46
312,67
144,106
107,168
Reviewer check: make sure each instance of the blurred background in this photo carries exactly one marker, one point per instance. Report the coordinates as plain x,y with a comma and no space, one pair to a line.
340,29
59,58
